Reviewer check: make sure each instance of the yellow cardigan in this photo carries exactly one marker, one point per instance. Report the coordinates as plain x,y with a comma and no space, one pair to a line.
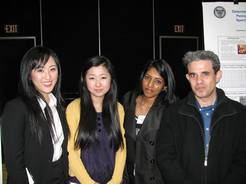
76,167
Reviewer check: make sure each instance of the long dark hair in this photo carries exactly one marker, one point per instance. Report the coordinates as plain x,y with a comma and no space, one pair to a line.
86,132
34,58
162,67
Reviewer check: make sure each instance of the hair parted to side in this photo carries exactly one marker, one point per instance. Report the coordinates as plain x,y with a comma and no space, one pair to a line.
165,71
34,58
86,132
191,56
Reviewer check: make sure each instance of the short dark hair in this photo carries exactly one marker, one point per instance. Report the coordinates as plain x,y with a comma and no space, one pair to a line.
191,56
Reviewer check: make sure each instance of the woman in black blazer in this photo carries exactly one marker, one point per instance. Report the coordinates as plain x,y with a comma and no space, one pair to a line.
143,111
34,128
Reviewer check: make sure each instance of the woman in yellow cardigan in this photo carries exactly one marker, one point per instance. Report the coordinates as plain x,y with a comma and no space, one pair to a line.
96,146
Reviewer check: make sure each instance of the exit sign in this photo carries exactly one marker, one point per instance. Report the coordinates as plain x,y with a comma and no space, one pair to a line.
11,28
179,28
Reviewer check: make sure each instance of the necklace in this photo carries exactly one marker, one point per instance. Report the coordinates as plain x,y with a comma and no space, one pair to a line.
142,106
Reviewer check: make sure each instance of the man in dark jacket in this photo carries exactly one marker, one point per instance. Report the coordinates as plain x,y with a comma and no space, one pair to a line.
202,138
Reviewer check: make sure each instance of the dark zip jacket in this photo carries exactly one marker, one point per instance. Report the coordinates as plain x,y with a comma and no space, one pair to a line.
180,143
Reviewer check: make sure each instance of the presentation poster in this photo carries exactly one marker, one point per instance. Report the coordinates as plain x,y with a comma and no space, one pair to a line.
224,26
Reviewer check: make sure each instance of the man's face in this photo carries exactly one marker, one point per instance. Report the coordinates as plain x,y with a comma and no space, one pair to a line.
203,80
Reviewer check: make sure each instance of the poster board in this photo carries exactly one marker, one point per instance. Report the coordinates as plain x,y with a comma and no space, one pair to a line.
224,26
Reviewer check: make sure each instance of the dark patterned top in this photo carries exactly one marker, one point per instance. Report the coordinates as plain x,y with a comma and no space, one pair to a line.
99,158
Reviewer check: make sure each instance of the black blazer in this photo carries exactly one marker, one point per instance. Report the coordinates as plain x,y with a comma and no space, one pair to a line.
22,150
141,151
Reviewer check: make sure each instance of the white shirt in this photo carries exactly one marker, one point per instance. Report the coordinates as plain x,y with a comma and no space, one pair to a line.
139,122
57,129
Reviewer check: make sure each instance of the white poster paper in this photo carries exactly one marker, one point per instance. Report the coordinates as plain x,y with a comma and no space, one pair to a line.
224,26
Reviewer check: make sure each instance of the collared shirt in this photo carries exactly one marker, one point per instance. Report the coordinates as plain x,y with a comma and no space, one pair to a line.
57,126
206,113
57,129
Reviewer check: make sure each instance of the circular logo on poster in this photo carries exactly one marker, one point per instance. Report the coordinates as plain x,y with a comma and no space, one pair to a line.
219,12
